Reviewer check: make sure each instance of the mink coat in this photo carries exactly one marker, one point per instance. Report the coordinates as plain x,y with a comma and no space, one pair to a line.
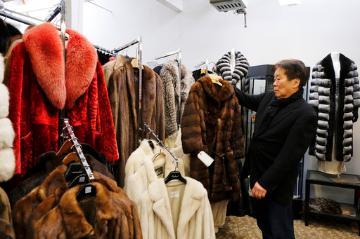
31,213
41,85
212,122
122,83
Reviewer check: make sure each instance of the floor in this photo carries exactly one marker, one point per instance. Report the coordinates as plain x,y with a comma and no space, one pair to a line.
246,228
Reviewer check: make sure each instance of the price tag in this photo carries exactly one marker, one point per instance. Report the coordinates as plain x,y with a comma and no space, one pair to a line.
205,158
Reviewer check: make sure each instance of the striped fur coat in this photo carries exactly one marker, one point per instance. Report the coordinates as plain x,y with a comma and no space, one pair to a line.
323,98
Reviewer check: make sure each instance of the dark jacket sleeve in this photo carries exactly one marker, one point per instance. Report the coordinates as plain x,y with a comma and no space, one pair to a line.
296,143
249,101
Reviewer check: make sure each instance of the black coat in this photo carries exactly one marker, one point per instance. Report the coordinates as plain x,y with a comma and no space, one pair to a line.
282,134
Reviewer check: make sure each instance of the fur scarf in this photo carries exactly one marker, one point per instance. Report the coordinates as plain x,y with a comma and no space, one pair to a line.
239,73
336,111
176,88
7,134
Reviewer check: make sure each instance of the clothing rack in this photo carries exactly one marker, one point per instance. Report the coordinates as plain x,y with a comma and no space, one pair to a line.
16,16
54,13
138,43
161,144
68,130
104,51
178,55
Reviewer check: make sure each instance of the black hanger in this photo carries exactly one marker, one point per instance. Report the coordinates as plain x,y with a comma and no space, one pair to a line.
79,179
175,175
73,170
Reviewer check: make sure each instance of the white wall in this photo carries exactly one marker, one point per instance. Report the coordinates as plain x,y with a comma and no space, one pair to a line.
307,32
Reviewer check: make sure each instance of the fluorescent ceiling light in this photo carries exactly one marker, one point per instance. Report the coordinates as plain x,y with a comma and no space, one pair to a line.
289,2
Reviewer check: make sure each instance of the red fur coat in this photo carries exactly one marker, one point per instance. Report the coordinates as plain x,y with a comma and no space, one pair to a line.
41,84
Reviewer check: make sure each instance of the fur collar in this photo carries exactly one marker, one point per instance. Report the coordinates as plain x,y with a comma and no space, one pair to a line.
223,94
240,71
63,83
193,198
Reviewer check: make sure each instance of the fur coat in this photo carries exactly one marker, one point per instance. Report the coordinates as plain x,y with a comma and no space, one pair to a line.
7,157
180,210
176,88
211,122
41,84
6,225
144,166
31,213
123,88
323,94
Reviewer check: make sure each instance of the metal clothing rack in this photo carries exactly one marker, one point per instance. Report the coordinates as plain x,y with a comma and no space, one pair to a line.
68,131
176,161
178,55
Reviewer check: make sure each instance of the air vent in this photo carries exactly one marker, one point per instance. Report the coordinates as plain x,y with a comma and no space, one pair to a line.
228,5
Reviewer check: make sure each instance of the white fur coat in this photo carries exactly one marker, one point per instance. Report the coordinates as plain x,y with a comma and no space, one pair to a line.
7,158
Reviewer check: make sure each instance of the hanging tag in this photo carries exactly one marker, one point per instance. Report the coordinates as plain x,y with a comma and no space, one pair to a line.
205,158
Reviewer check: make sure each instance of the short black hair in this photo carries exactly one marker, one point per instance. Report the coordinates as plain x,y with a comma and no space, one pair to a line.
6,32
294,69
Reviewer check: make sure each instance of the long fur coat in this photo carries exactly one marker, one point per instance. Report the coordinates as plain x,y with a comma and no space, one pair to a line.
211,122
331,122
7,134
41,84
176,88
123,88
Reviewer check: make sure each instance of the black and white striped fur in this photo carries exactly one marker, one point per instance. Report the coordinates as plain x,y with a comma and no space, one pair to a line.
240,71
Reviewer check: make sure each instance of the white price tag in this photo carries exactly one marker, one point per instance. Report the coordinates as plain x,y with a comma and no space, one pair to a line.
205,158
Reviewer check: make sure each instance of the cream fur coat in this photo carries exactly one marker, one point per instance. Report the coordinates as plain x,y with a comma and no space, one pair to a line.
7,158
145,186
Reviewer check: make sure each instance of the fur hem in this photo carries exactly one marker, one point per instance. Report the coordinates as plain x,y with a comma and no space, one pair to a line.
7,164
7,133
4,101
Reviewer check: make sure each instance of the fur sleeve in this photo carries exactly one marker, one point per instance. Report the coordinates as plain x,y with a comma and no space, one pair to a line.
356,94
237,137
191,129
314,89
106,140
14,79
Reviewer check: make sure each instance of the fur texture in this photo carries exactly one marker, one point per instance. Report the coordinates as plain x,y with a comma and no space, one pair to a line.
7,158
7,164
45,49
38,95
6,134
239,73
123,94
332,122
31,208
176,88
211,122
4,101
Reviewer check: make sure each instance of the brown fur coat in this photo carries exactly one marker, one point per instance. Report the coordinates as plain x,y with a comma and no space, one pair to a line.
31,212
212,122
122,84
